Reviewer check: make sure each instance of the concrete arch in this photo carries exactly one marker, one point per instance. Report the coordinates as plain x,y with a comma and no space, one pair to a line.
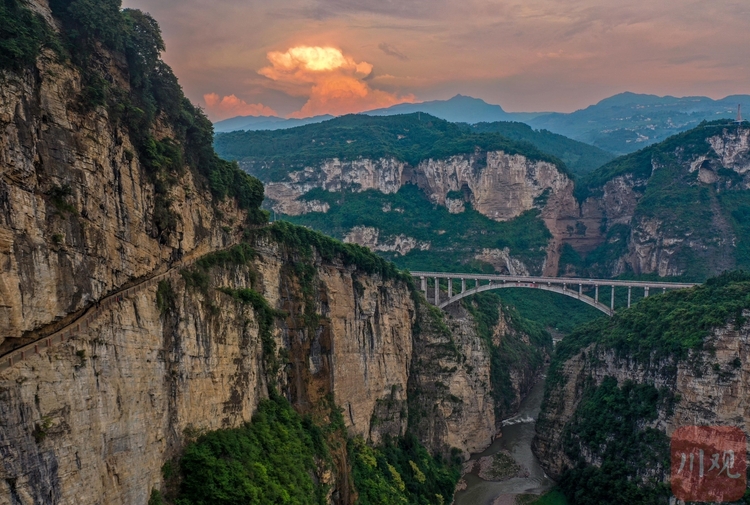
529,285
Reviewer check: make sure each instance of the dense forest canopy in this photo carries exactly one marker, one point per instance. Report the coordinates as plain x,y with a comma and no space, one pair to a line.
580,158
410,138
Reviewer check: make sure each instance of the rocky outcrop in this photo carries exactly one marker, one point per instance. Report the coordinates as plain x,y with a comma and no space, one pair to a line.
709,388
76,206
94,420
450,396
624,232
499,185
370,237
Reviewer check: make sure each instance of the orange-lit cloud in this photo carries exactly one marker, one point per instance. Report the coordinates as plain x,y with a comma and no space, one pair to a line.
231,106
523,54
333,82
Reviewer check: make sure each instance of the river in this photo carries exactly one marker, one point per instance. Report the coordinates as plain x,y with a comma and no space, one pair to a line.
517,434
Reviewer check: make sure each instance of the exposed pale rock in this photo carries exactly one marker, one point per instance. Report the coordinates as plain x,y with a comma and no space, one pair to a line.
370,237
711,386
733,149
54,261
502,261
455,206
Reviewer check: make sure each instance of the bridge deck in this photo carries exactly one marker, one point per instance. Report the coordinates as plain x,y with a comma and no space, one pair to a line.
556,280
562,285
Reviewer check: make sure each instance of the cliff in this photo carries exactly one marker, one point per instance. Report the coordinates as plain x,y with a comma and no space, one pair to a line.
105,184
199,353
84,209
617,390
635,214
677,208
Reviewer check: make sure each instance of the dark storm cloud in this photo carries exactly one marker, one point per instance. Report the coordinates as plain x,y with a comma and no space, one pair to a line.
392,51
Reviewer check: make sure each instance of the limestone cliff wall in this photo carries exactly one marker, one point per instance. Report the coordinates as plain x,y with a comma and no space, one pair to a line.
503,186
710,387
76,207
95,419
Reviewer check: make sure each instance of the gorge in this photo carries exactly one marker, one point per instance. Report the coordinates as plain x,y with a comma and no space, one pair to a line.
275,364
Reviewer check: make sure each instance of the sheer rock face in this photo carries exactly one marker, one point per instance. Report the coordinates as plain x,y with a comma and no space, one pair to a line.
502,187
95,419
110,407
369,236
712,389
76,208
450,401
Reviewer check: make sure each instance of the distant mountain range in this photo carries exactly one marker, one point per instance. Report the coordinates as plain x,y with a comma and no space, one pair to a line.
627,122
459,109
621,124
254,123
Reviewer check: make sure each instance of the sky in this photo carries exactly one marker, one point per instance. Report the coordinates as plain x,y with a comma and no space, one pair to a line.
299,58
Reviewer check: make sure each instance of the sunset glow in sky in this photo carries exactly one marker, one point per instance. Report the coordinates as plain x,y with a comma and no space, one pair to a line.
299,58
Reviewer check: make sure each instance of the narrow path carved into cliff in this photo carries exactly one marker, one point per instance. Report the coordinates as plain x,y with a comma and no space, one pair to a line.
83,321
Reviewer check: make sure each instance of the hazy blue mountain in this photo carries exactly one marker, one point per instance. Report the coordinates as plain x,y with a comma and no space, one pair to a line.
254,123
459,109
620,124
627,122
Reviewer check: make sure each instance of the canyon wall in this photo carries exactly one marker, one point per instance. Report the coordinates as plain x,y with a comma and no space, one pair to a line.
76,205
95,419
612,229
705,388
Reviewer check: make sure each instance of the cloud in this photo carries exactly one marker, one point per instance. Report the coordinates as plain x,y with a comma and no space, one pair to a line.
392,51
333,82
231,106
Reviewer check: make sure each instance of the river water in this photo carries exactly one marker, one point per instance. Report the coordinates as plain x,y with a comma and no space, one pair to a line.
517,433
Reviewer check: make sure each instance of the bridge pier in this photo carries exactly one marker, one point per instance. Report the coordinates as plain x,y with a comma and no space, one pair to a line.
580,290
596,293
630,289
463,285
612,302
450,287
645,292
423,285
437,291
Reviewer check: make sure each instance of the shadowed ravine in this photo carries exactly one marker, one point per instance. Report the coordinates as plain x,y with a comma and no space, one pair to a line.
517,435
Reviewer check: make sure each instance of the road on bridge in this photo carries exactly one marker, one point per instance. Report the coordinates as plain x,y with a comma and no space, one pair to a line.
568,286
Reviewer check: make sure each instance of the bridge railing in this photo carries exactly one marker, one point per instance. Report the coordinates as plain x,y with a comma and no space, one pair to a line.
561,284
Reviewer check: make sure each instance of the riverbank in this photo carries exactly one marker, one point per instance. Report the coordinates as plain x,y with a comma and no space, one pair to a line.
517,434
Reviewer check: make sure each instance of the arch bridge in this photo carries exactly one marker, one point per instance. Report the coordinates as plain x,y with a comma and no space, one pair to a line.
568,286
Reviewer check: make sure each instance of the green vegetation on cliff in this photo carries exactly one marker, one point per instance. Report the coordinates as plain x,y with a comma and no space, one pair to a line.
281,456
608,426
401,472
705,217
454,239
411,138
524,346
23,34
580,158
94,33
304,240
269,460
666,325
